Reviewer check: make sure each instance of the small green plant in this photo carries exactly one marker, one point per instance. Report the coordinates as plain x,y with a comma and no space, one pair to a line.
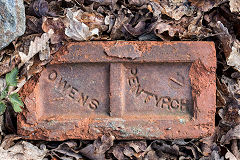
14,99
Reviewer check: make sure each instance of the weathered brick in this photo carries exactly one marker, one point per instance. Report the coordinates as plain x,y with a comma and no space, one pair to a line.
132,90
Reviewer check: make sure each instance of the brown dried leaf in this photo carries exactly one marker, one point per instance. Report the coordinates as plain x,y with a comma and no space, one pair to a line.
233,87
67,150
92,20
233,133
138,30
8,63
235,148
104,2
135,3
138,146
9,119
162,148
98,148
23,150
118,152
235,6
42,8
205,5
33,25
132,150
39,44
155,8
216,156
234,57
8,141
230,156
78,30
176,9
223,35
124,16
151,155
57,25
207,144
161,28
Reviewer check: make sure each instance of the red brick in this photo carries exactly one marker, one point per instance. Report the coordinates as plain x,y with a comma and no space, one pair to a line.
132,90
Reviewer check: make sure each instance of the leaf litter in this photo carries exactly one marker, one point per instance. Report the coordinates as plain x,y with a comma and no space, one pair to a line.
51,24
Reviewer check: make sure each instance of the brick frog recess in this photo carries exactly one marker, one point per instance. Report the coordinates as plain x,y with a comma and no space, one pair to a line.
132,90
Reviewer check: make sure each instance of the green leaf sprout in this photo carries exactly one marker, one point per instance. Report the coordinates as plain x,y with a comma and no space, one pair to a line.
14,99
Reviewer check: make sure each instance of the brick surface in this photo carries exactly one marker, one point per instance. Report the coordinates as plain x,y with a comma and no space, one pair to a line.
132,90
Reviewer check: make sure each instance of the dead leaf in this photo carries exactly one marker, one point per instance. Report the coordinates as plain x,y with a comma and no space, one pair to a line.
57,26
162,27
33,25
151,155
66,149
155,8
235,6
92,20
130,150
138,146
230,156
9,121
39,44
8,141
7,63
235,148
207,144
161,147
78,30
205,5
138,30
234,57
222,33
118,152
233,133
42,8
124,16
98,148
22,150
215,156
105,2
135,3
176,9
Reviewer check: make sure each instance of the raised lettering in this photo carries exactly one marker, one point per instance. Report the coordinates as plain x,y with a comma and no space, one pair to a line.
63,85
53,75
148,96
175,104
133,81
166,102
93,104
73,93
139,90
184,105
83,99
157,100
134,71
66,89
